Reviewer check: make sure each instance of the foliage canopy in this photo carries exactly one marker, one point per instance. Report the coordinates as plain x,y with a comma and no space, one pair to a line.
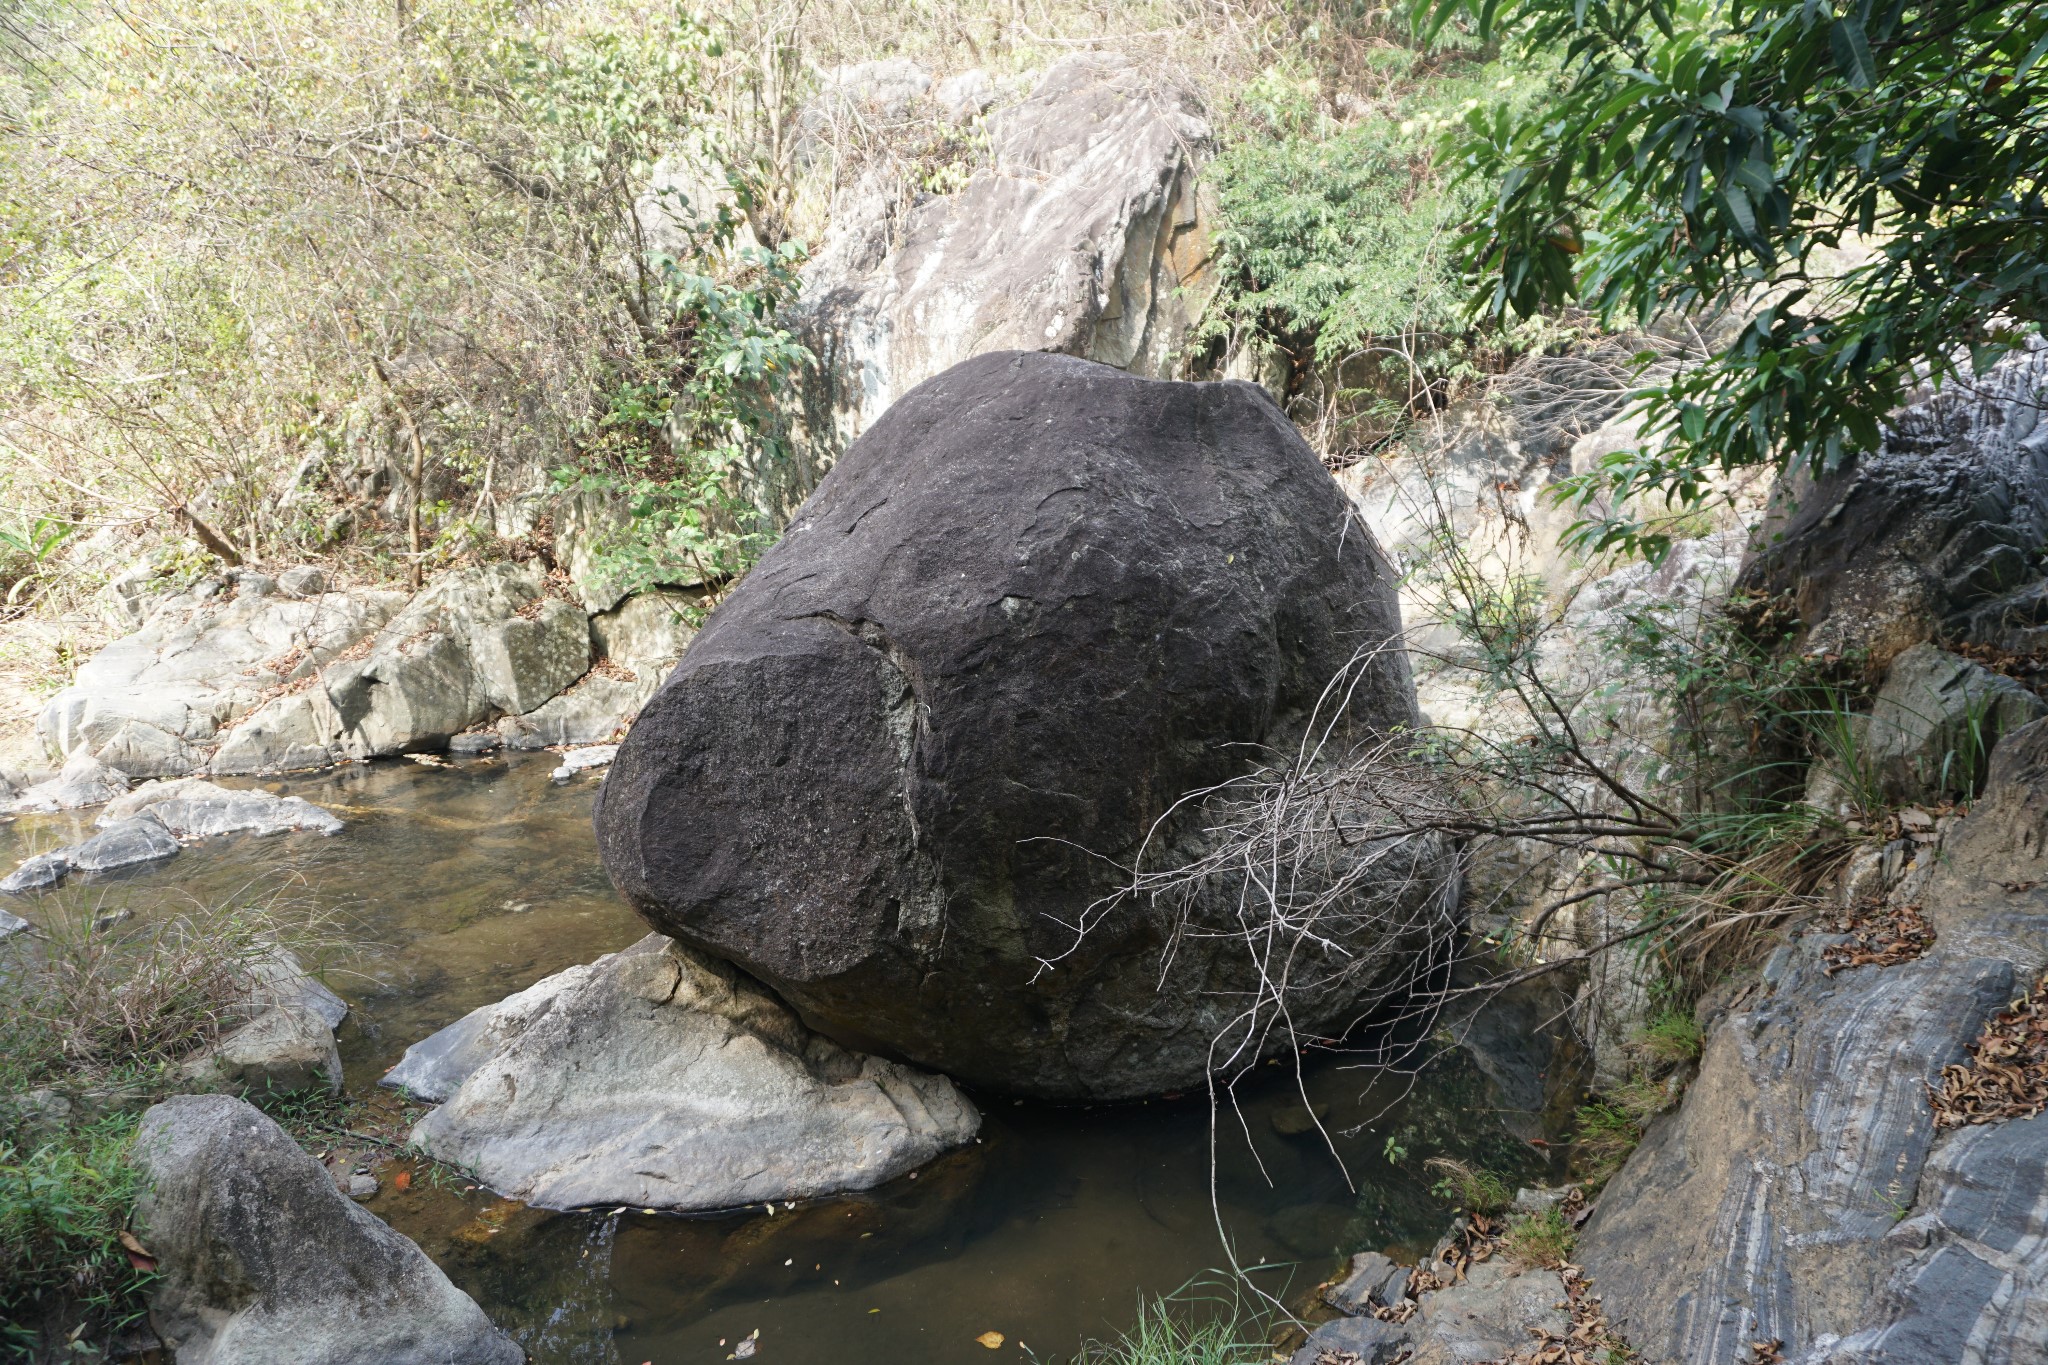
1869,172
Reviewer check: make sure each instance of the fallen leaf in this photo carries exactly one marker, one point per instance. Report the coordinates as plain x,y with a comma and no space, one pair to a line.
402,1181
745,1349
138,1254
992,1340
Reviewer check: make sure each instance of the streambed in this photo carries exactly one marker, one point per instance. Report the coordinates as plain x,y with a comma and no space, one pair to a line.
462,883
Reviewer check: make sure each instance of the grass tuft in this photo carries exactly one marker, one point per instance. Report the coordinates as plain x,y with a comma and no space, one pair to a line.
1473,1189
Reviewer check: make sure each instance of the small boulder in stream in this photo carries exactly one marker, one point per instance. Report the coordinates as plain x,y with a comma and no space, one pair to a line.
193,808
658,1079
1032,609
261,1259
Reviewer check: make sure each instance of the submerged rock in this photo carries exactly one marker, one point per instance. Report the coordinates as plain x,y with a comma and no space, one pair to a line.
261,1259
193,808
1802,1192
36,873
1032,609
657,1079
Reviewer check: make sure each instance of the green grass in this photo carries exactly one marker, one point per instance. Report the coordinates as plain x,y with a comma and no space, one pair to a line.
1670,1039
1543,1241
1474,1189
63,1206
1205,1322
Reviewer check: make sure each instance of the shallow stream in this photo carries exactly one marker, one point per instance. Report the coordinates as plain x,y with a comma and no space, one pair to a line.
465,882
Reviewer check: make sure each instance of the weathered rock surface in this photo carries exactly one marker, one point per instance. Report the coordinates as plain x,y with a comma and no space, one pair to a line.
657,1079
1366,1340
637,643
1801,1192
282,1051
123,843
10,925
458,653
1934,721
1373,1280
1935,536
262,1260
155,703
284,676
1034,607
83,781
193,808
1486,1315
1087,236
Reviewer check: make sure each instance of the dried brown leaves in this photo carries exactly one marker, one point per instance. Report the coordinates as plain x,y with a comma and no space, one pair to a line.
1878,937
2007,1075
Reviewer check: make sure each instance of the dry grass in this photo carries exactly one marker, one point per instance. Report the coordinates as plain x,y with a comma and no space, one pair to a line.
104,999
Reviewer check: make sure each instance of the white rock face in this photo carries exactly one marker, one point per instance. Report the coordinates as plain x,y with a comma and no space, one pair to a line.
159,700
1087,236
584,760
193,808
658,1079
84,781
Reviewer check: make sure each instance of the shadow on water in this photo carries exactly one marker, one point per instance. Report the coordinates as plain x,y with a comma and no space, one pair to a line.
466,882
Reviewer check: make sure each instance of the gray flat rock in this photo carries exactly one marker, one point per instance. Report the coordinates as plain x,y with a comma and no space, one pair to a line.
193,808
35,874
657,1079
124,844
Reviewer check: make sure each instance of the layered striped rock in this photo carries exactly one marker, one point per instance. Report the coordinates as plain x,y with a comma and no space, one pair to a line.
1802,1193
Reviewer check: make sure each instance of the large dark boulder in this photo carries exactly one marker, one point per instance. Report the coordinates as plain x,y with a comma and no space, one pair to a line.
1938,535
1035,606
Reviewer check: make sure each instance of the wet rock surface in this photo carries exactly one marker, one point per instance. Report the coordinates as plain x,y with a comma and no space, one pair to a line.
656,1079
261,1258
1802,1193
1031,610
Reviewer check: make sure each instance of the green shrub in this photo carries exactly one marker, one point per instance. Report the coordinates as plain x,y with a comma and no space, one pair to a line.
63,1206
1670,1039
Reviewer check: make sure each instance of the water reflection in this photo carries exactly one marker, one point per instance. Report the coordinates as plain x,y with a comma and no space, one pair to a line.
467,882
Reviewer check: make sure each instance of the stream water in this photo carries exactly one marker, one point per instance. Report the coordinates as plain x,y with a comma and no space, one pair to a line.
462,883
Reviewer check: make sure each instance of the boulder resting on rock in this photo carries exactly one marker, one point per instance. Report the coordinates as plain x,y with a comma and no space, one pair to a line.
656,1079
261,1259
1033,608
